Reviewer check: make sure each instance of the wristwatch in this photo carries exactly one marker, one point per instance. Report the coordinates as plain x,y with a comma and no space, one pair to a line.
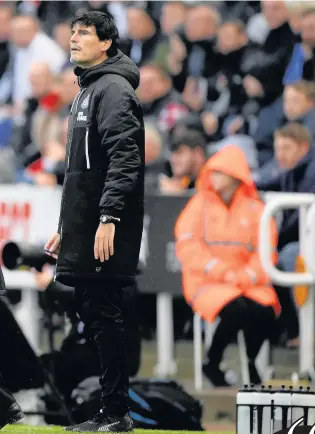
108,219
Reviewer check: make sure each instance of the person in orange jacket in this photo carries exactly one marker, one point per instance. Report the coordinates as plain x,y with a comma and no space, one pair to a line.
217,245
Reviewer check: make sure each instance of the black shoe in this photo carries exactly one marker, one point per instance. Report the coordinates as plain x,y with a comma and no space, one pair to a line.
214,374
253,373
103,422
10,411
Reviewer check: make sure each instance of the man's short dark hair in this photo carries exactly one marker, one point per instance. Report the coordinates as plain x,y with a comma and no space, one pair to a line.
191,138
105,27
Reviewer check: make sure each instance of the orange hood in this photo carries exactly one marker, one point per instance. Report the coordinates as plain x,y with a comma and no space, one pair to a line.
230,160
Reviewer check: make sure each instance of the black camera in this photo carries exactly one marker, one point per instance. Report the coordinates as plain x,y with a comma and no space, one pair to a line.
16,255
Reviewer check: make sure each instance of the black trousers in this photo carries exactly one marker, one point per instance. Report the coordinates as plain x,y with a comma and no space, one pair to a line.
100,307
255,320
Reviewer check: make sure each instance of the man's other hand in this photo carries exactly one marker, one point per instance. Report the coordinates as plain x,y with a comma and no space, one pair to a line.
104,241
52,246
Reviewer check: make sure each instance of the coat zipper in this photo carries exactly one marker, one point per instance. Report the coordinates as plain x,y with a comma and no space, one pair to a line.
88,165
73,108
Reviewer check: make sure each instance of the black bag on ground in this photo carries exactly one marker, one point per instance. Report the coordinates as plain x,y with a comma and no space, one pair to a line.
164,405
154,404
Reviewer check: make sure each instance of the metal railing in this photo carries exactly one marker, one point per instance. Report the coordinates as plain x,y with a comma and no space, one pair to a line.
306,205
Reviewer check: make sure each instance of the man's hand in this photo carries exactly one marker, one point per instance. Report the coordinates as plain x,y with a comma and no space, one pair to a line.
235,125
52,246
44,277
192,95
104,241
210,122
46,179
252,86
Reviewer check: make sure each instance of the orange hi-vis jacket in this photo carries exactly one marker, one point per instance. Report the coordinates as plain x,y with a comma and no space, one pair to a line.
213,238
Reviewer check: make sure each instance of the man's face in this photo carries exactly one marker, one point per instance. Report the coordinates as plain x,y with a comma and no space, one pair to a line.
173,15
23,30
62,35
152,85
221,182
182,161
288,152
5,23
200,24
308,30
295,103
230,38
41,80
86,49
140,26
276,13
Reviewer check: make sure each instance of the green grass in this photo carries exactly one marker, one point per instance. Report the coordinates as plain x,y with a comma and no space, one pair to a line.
27,429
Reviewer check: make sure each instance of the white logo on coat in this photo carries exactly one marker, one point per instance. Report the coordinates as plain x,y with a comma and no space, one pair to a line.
85,102
81,117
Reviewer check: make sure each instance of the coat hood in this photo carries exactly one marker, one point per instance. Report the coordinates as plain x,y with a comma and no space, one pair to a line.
230,160
120,64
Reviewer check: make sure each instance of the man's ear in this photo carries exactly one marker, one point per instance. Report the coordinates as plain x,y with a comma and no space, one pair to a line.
106,44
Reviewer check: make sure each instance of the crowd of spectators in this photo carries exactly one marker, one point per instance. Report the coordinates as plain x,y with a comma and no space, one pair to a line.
212,74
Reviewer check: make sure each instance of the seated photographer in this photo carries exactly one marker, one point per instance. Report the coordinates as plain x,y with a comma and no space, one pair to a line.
216,242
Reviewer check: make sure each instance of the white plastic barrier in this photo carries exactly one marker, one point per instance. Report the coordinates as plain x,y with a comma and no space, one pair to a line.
306,205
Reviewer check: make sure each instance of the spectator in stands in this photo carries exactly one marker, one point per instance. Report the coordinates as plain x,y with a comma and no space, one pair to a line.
224,116
62,35
295,156
70,88
173,16
188,155
302,63
6,13
237,10
274,55
193,61
153,157
31,45
217,243
41,116
294,153
296,105
53,155
144,35
296,9
158,99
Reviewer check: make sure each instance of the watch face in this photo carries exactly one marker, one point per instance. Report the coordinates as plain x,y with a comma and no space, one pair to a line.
104,219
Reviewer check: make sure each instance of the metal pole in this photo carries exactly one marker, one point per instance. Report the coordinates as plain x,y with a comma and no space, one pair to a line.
166,364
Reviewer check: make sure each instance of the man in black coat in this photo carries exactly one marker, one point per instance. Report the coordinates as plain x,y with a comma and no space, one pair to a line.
101,219
10,411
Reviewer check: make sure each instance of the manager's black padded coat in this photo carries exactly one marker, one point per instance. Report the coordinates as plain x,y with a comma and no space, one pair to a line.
104,173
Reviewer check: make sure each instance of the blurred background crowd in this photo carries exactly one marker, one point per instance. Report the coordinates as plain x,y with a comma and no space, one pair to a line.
212,74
